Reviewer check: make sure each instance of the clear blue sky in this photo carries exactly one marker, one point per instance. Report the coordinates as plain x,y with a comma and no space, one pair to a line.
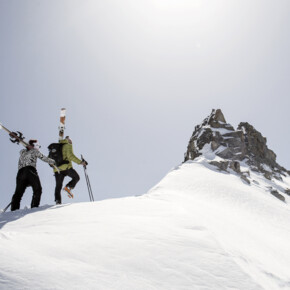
136,77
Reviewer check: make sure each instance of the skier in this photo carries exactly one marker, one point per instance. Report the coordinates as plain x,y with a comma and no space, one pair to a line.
27,175
66,169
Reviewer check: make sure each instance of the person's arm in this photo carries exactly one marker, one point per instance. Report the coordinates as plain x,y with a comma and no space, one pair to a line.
70,155
44,158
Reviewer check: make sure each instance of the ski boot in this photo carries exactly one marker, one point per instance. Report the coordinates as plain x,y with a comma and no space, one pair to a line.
68,191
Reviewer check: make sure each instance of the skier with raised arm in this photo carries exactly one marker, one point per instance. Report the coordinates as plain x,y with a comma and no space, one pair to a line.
27,174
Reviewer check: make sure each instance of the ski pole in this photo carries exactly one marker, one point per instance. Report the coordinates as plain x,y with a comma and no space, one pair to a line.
89,185
7,207
88,180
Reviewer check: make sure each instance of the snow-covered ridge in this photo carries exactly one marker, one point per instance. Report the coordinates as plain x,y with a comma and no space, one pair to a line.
186,233
199,228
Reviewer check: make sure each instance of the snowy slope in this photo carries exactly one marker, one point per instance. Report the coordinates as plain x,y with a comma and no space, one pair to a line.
197,229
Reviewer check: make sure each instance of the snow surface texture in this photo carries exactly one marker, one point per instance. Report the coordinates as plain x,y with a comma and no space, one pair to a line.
197,229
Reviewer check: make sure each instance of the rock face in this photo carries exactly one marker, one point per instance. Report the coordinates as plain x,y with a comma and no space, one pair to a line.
244,145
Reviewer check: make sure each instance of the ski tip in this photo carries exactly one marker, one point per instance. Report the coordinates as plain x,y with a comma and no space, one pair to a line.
62,113
0,125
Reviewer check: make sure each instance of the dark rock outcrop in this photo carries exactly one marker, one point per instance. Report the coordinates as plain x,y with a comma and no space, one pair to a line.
244,178
244,144
232,147
277,194
235,165
221,165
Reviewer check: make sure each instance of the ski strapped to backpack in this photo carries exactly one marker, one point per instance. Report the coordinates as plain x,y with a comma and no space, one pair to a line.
61,124
55,149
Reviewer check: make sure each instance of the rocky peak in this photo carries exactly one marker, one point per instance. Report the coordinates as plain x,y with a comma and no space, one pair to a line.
217,120
230,149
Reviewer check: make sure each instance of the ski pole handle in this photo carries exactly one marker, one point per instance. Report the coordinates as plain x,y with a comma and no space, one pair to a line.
83,160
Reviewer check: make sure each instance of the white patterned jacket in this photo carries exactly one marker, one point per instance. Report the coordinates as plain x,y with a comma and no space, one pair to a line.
29,158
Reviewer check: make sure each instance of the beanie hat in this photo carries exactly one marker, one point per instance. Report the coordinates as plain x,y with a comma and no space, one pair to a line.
32,141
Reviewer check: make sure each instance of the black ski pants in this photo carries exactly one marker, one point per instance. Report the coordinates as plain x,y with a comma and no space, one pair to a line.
26,176
59,177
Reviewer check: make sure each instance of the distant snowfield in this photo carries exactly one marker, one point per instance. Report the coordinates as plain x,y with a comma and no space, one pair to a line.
197,229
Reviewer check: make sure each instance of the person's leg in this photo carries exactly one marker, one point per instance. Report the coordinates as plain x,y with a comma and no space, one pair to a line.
75,178
21,184
59,177
34,181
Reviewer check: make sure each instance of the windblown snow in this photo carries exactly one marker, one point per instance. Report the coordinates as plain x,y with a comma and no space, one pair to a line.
197,229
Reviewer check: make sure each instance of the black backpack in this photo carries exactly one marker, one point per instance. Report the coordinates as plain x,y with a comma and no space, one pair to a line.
55,153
